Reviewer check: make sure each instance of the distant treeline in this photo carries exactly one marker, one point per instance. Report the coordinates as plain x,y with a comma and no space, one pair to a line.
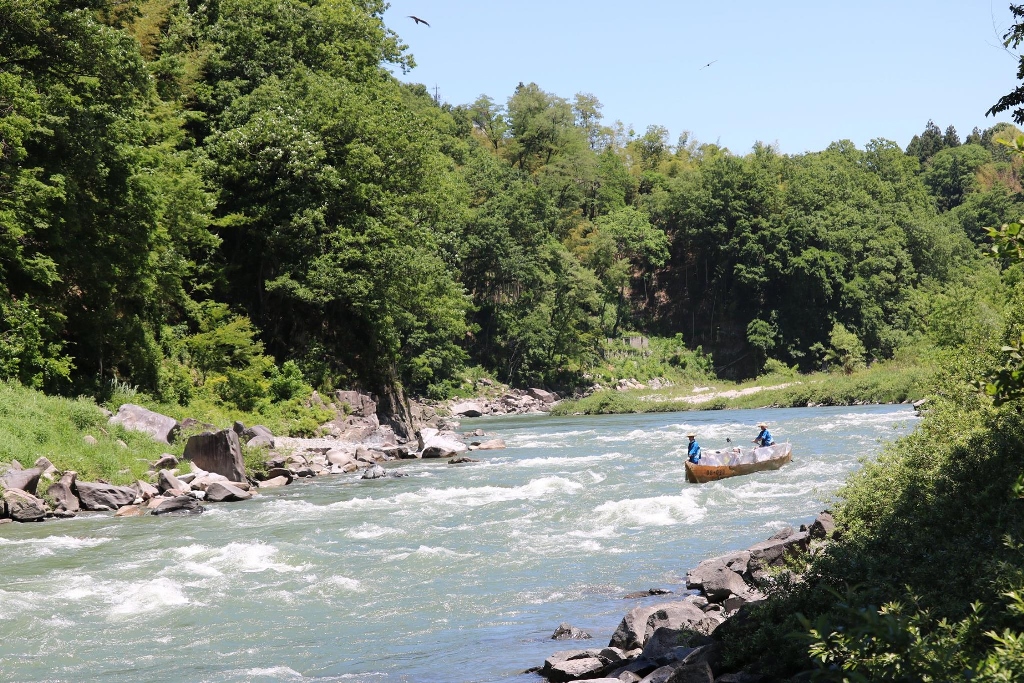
236,195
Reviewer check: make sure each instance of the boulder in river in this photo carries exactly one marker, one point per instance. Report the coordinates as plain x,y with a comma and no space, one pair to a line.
22,506
22,480
104,497
63,493
467,409
225,492
138,419
218,452
166,481
568,632
443,445
179,505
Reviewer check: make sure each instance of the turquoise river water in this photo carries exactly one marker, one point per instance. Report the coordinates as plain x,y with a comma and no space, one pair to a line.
453,574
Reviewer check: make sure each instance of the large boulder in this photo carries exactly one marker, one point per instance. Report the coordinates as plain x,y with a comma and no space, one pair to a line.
571,665
138,419
683,614
217,452
63,493
467,409
224,492
736,562
542,396
823,527
179,505
631,631
97,496
22,506
166,481
22,480
443,445
146,490
771,553
359,404
722,583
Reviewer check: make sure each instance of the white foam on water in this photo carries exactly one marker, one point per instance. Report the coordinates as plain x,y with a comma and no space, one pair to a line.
147,596
483,495
882,421
658,511
345,582
13,603
565,462
367,531
246,558
274,672
48,545
600,532
445,552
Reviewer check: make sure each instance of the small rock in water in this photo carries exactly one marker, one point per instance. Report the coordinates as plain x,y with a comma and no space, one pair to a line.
375,472
460,460
647,593
567,632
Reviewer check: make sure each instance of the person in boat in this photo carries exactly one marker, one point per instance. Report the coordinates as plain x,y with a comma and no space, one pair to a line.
764,437
693,452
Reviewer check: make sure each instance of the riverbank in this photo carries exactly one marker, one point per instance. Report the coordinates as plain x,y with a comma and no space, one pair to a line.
891,382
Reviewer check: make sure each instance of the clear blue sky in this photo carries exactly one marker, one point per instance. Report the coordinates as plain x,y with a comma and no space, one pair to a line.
798,74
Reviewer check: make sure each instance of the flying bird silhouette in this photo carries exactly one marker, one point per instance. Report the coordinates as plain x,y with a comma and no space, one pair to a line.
707,65
417,20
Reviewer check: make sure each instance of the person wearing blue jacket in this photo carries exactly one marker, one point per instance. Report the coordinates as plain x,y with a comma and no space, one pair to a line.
764,437
693,452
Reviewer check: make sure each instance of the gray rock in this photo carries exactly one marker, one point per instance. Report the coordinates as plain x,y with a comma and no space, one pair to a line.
22,480
571,665
256,431
771,553
647,593
260,442
238,427
375,472
467,409
104,497
225,492
492,445
146,490
130,511
138,419
217,452
63,493
274,482
179,505
22,506
631,632
736,562
722,583
191,424
823,527
359,404
683,614
166,462
89,440
443,446
203,483
567,632
668,643
682,672
542,396
166,481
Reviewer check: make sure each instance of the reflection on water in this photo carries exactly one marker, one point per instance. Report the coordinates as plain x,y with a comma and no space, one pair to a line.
456,573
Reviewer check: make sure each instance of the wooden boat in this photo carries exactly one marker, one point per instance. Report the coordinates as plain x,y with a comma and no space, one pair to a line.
716,465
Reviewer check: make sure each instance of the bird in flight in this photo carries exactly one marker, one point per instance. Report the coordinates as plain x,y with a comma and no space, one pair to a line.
417,20
707,65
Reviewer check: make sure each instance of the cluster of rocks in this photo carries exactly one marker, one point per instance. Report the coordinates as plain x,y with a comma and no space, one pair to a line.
511,402
673,642
627,384
213,469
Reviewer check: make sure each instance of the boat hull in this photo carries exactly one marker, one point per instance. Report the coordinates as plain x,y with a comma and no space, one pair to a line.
700,474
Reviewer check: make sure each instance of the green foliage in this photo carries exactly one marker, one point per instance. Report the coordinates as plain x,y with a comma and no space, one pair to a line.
846,349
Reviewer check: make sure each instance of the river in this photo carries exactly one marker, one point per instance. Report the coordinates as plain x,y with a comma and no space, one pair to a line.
453,574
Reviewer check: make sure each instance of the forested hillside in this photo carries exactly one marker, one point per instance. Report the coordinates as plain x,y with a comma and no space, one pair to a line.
231,197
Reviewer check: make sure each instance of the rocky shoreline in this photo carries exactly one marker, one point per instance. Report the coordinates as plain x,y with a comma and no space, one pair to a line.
674,642
212,468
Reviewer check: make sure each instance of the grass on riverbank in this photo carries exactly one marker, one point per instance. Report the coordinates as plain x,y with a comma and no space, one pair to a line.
895,381
33,424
